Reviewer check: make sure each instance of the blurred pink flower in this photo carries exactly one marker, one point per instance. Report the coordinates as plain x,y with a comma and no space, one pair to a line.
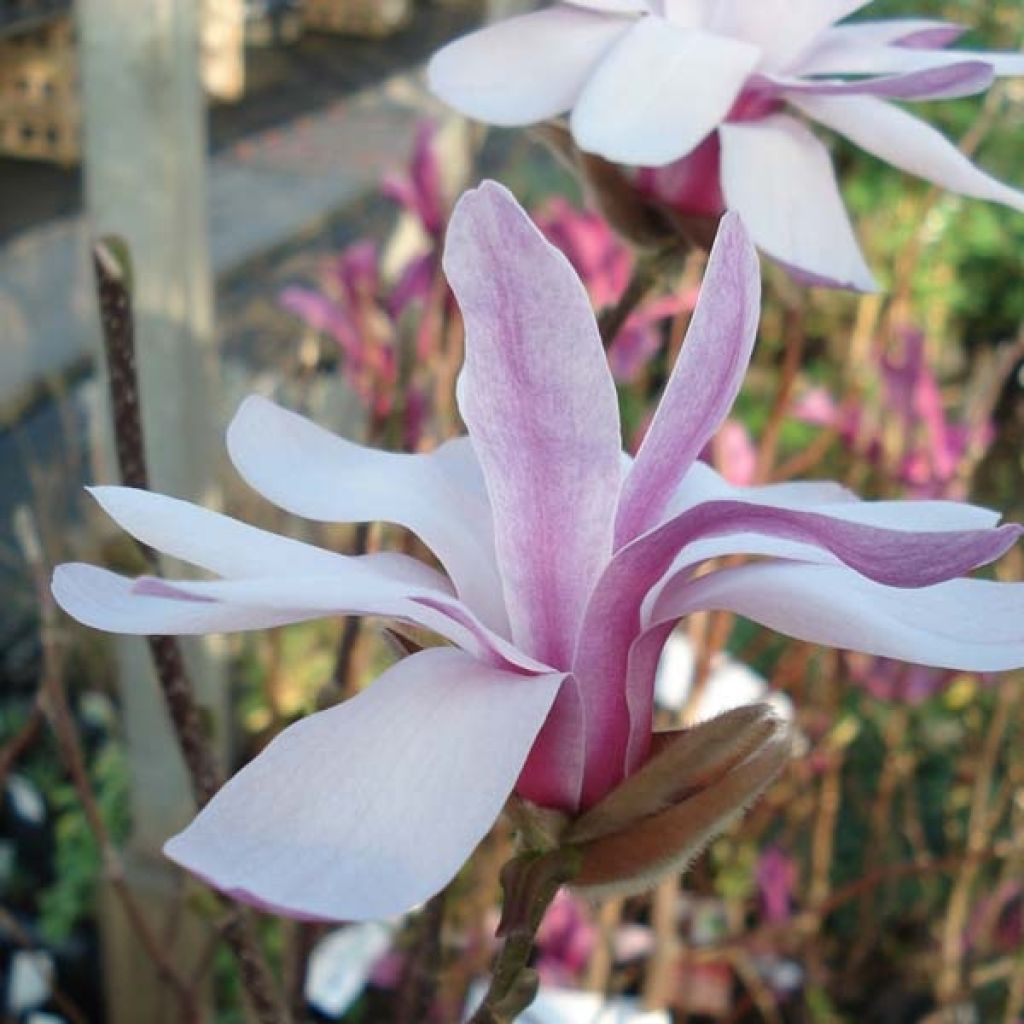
927,450
703,93
566,567
776,876
565,940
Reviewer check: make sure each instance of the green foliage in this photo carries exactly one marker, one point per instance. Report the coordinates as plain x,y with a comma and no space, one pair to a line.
71,898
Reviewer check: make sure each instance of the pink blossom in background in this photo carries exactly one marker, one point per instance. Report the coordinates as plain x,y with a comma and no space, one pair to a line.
777,877
351,311
564,567
605,265
909,437
710,99
565,940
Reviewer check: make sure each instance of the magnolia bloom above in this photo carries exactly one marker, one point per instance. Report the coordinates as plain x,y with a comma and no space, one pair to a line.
714,94
566,566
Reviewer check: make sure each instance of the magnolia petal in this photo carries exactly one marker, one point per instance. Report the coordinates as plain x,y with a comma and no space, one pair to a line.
906,142
208,539
524,69
852,56
929,32
717,781
613,621
440,496
659,92
613,6
965,78
364,810
704,382
153,607
553,774
782,29
791,206
540,405
975,625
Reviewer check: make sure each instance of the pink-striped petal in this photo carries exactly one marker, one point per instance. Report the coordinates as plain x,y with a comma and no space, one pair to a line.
525,69
659,92
359,586
542,413
906,142
704,381
965,78
791,206
439,496
363,811
893,557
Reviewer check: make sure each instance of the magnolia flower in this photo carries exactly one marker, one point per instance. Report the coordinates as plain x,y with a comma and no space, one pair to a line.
565,567
724,86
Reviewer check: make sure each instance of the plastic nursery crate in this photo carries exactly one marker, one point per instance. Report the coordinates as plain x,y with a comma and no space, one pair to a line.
372,18
40,111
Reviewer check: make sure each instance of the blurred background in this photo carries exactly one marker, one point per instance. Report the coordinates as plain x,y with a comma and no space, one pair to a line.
283,179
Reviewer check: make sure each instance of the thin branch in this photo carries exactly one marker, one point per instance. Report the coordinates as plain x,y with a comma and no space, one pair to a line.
114,290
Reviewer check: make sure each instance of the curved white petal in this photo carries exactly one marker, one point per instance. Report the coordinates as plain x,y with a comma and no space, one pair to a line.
540,405
659,92
967,624
208,539
782,29
439,496
779,178
147,606
525,69
906,142
849,55
369,808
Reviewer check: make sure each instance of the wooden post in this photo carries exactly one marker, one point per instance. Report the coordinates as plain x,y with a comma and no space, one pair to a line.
144,152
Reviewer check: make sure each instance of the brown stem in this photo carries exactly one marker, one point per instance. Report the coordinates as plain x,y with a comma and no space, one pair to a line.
530,882
112,266
18,745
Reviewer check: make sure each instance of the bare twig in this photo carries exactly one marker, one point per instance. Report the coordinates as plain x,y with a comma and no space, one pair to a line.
114,289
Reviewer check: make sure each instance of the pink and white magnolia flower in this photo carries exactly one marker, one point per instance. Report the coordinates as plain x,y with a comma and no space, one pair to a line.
565,567
715,94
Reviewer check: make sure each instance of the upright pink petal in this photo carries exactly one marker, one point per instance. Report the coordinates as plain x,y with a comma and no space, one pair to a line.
363,811
542,412
440,496
525,69
968,624
906,142
659,92
791,206
704,381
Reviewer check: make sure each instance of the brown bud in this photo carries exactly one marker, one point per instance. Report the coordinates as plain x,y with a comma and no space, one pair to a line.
696,783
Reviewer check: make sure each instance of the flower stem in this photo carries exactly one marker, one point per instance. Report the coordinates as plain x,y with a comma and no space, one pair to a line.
530,882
